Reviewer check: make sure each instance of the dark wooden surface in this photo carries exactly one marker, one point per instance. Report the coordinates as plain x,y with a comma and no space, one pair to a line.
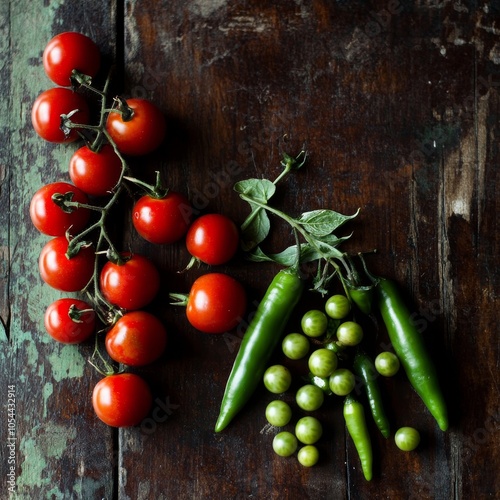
397,103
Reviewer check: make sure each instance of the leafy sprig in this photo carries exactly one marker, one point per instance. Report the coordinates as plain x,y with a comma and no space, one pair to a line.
317,229
256,226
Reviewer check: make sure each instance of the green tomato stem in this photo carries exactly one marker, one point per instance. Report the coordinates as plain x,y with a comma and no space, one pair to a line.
181,299
158,191
289,163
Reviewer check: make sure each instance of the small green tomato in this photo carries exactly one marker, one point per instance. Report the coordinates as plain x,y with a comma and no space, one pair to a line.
308,455
342,382
278,413
387,364
337,306
285,444
309,397
350,333
277,379
308,430
314,323
322,362
295,346
407,438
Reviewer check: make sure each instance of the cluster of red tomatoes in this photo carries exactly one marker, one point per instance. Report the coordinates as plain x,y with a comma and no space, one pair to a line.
73,213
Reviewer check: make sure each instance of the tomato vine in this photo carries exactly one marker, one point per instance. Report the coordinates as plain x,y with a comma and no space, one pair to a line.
116,290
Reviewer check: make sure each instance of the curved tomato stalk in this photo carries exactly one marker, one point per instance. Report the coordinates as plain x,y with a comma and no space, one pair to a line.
102,365
157,191
181,299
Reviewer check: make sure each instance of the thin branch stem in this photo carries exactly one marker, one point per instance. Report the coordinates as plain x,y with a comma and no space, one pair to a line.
290,164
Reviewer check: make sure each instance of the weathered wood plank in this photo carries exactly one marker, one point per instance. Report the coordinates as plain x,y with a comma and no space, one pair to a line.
5,99
60,450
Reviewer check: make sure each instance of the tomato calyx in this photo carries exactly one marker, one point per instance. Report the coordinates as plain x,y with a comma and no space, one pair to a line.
76,314
65,201
103,366
118,258
79,79
126,112
75,245
67,125
193,261
97,360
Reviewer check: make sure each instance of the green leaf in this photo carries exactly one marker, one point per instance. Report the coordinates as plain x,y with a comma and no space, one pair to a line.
260,190
257,255
255,229
256,226
323,222
287,257
333,240
307,253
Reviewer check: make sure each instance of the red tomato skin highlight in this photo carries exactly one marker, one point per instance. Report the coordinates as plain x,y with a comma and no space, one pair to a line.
131,285
141,134
216,303
213,239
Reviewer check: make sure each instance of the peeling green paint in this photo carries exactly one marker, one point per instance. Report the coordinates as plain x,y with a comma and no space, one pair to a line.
87,488
48,389
32,354
37,365
42,444
67,362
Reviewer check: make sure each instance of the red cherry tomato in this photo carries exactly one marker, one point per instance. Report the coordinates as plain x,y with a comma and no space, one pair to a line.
132,284
122,400
62,273
70,321
95,173
136,339
162,220
139,134
216,303
48,108
51,219
68,51
213,239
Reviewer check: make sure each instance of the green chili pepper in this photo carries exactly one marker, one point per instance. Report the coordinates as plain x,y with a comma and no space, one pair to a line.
365,369
361,295
260,339
410,349
354,416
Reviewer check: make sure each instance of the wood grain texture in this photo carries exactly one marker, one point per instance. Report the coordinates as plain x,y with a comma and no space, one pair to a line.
61,452
397,103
